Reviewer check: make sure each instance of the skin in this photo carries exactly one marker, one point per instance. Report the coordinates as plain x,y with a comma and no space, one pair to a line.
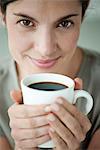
95,144
27,122
4,144
35,125
55,42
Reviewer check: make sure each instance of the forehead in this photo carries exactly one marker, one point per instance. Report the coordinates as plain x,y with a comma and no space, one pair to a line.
45,7
45,4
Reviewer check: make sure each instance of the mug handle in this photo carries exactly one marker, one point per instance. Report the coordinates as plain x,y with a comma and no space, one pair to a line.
88,98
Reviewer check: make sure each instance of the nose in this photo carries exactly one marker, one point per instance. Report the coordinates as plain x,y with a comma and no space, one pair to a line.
46,43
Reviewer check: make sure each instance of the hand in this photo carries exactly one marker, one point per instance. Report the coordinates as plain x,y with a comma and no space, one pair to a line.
29,126
68,125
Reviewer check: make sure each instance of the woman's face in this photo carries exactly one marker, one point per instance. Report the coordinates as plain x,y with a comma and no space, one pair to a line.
43,34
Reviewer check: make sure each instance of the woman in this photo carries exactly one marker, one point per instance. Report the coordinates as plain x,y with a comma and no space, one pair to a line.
42,37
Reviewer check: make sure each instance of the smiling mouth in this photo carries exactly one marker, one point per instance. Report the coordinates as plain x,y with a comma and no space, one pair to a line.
47,63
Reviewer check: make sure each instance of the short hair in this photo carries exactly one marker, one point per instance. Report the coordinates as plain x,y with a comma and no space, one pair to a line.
4,3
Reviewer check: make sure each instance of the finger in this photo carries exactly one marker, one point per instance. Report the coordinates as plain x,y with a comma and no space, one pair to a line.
28,123
82,119
31,143
16,96
24,134
62,131
25,111
78,83
58,142
68,120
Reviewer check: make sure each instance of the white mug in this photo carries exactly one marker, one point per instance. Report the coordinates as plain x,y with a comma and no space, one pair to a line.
63,86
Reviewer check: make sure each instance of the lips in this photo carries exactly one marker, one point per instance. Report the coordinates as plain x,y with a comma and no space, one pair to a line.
44,63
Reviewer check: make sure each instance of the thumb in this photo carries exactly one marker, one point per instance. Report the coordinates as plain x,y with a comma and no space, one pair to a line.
16,96
78,83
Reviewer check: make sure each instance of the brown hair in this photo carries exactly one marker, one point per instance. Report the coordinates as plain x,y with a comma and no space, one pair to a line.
4,3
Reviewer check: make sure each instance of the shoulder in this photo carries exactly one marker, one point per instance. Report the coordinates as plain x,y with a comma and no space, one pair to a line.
92,63
5,63
7,83
6,74
93,56
90,75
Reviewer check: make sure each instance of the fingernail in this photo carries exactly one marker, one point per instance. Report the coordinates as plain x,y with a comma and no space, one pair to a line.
51,117
47,109
83,137
59,100
55,107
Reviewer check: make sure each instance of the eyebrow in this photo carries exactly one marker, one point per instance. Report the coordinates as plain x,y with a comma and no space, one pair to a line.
67,17
31,18
25,16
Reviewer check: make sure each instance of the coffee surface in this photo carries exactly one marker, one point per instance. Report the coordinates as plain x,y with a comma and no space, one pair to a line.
47,86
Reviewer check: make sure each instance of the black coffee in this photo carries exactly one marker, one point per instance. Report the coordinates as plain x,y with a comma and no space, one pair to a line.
47,86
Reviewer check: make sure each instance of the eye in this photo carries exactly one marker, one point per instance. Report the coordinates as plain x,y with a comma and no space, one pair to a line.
26,23
65,24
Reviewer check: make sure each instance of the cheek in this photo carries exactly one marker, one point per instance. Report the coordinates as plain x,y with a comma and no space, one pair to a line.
18,42
69,41
72,41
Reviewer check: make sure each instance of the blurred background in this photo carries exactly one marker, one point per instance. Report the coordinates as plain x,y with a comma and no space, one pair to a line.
89,36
